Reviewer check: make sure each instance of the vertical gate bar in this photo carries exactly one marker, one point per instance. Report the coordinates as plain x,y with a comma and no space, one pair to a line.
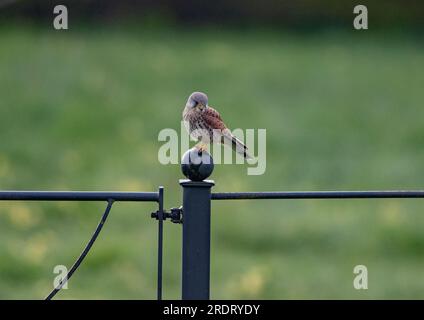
196,239
160,243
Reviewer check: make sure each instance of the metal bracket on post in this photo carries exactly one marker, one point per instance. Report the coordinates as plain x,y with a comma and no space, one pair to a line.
175,214
196,239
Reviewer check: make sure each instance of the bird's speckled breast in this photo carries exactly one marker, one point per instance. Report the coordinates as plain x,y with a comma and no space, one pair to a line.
196,124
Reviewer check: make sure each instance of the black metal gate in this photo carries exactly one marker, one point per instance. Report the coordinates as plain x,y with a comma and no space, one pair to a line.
195,216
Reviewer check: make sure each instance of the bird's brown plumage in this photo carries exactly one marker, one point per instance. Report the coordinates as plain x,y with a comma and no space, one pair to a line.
205,124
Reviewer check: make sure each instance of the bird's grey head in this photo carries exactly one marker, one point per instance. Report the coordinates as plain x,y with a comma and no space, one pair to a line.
197,99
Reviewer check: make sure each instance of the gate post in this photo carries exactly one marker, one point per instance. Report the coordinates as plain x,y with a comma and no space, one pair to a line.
196,239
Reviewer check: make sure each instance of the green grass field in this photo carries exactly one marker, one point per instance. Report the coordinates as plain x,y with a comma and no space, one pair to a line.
81,110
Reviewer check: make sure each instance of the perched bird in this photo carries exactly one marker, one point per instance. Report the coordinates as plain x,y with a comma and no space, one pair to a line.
204,124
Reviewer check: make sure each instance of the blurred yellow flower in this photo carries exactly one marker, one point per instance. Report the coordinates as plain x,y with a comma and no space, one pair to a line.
250,284
391,213
21,216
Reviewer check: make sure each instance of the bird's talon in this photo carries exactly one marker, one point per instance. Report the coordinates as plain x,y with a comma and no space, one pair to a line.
200,149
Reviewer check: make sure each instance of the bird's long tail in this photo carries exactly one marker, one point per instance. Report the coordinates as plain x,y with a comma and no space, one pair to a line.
230,140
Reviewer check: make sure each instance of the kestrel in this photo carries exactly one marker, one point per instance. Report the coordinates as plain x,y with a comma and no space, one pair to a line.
205,124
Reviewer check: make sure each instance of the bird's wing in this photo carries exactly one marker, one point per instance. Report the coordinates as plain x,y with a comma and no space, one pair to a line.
213,119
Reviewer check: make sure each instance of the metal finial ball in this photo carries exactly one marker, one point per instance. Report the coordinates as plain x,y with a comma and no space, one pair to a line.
197,165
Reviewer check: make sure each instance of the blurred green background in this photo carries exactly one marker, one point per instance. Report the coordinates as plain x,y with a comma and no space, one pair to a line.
81,110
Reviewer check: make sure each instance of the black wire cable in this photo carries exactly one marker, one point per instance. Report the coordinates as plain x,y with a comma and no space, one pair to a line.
84,252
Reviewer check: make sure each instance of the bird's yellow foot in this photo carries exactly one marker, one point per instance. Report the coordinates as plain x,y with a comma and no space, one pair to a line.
201,147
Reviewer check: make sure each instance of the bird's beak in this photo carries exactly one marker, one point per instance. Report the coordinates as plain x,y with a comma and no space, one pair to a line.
200,106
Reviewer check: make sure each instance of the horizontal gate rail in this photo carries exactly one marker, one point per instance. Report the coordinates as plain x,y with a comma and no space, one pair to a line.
319,195
78,196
